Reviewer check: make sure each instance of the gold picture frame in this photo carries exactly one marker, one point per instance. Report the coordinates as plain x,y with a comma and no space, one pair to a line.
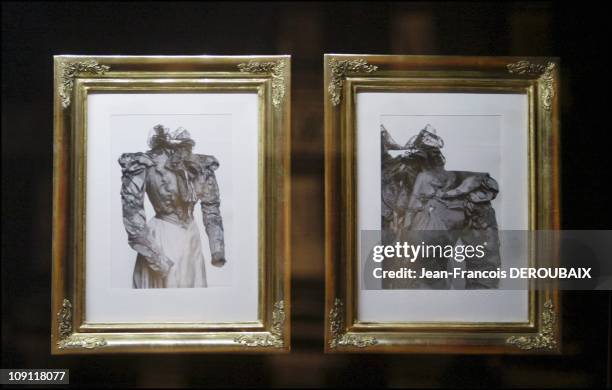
75,78
345,76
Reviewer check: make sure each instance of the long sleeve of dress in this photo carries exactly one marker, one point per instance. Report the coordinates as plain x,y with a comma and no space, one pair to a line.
134,167
210,202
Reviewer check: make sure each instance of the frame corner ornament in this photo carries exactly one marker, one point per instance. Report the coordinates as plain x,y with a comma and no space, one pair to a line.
546,79
69,340
71,70
339,69
277,69
545,339
275,338
336,329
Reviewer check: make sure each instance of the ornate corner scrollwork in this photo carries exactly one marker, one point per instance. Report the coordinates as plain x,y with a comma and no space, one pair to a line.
545,339
275,338
339,69
87,342
336,329
64,319
69,340
70,70
546,81
278,71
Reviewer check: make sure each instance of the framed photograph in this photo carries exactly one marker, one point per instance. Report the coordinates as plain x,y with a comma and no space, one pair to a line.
171,205
450,154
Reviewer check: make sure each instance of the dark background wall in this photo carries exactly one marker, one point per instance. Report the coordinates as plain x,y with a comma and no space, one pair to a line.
33,32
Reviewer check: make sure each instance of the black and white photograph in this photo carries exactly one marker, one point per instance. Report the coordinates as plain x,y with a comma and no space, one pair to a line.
174,179
172,207
452,171
171,204
423,202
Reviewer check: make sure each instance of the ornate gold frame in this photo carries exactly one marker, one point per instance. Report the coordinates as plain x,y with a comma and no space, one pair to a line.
345,76
75,78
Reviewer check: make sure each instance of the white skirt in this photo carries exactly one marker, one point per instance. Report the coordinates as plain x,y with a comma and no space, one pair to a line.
181,245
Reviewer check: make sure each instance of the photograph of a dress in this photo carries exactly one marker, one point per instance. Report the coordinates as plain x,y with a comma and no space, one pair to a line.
423,202
172,207
168,245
